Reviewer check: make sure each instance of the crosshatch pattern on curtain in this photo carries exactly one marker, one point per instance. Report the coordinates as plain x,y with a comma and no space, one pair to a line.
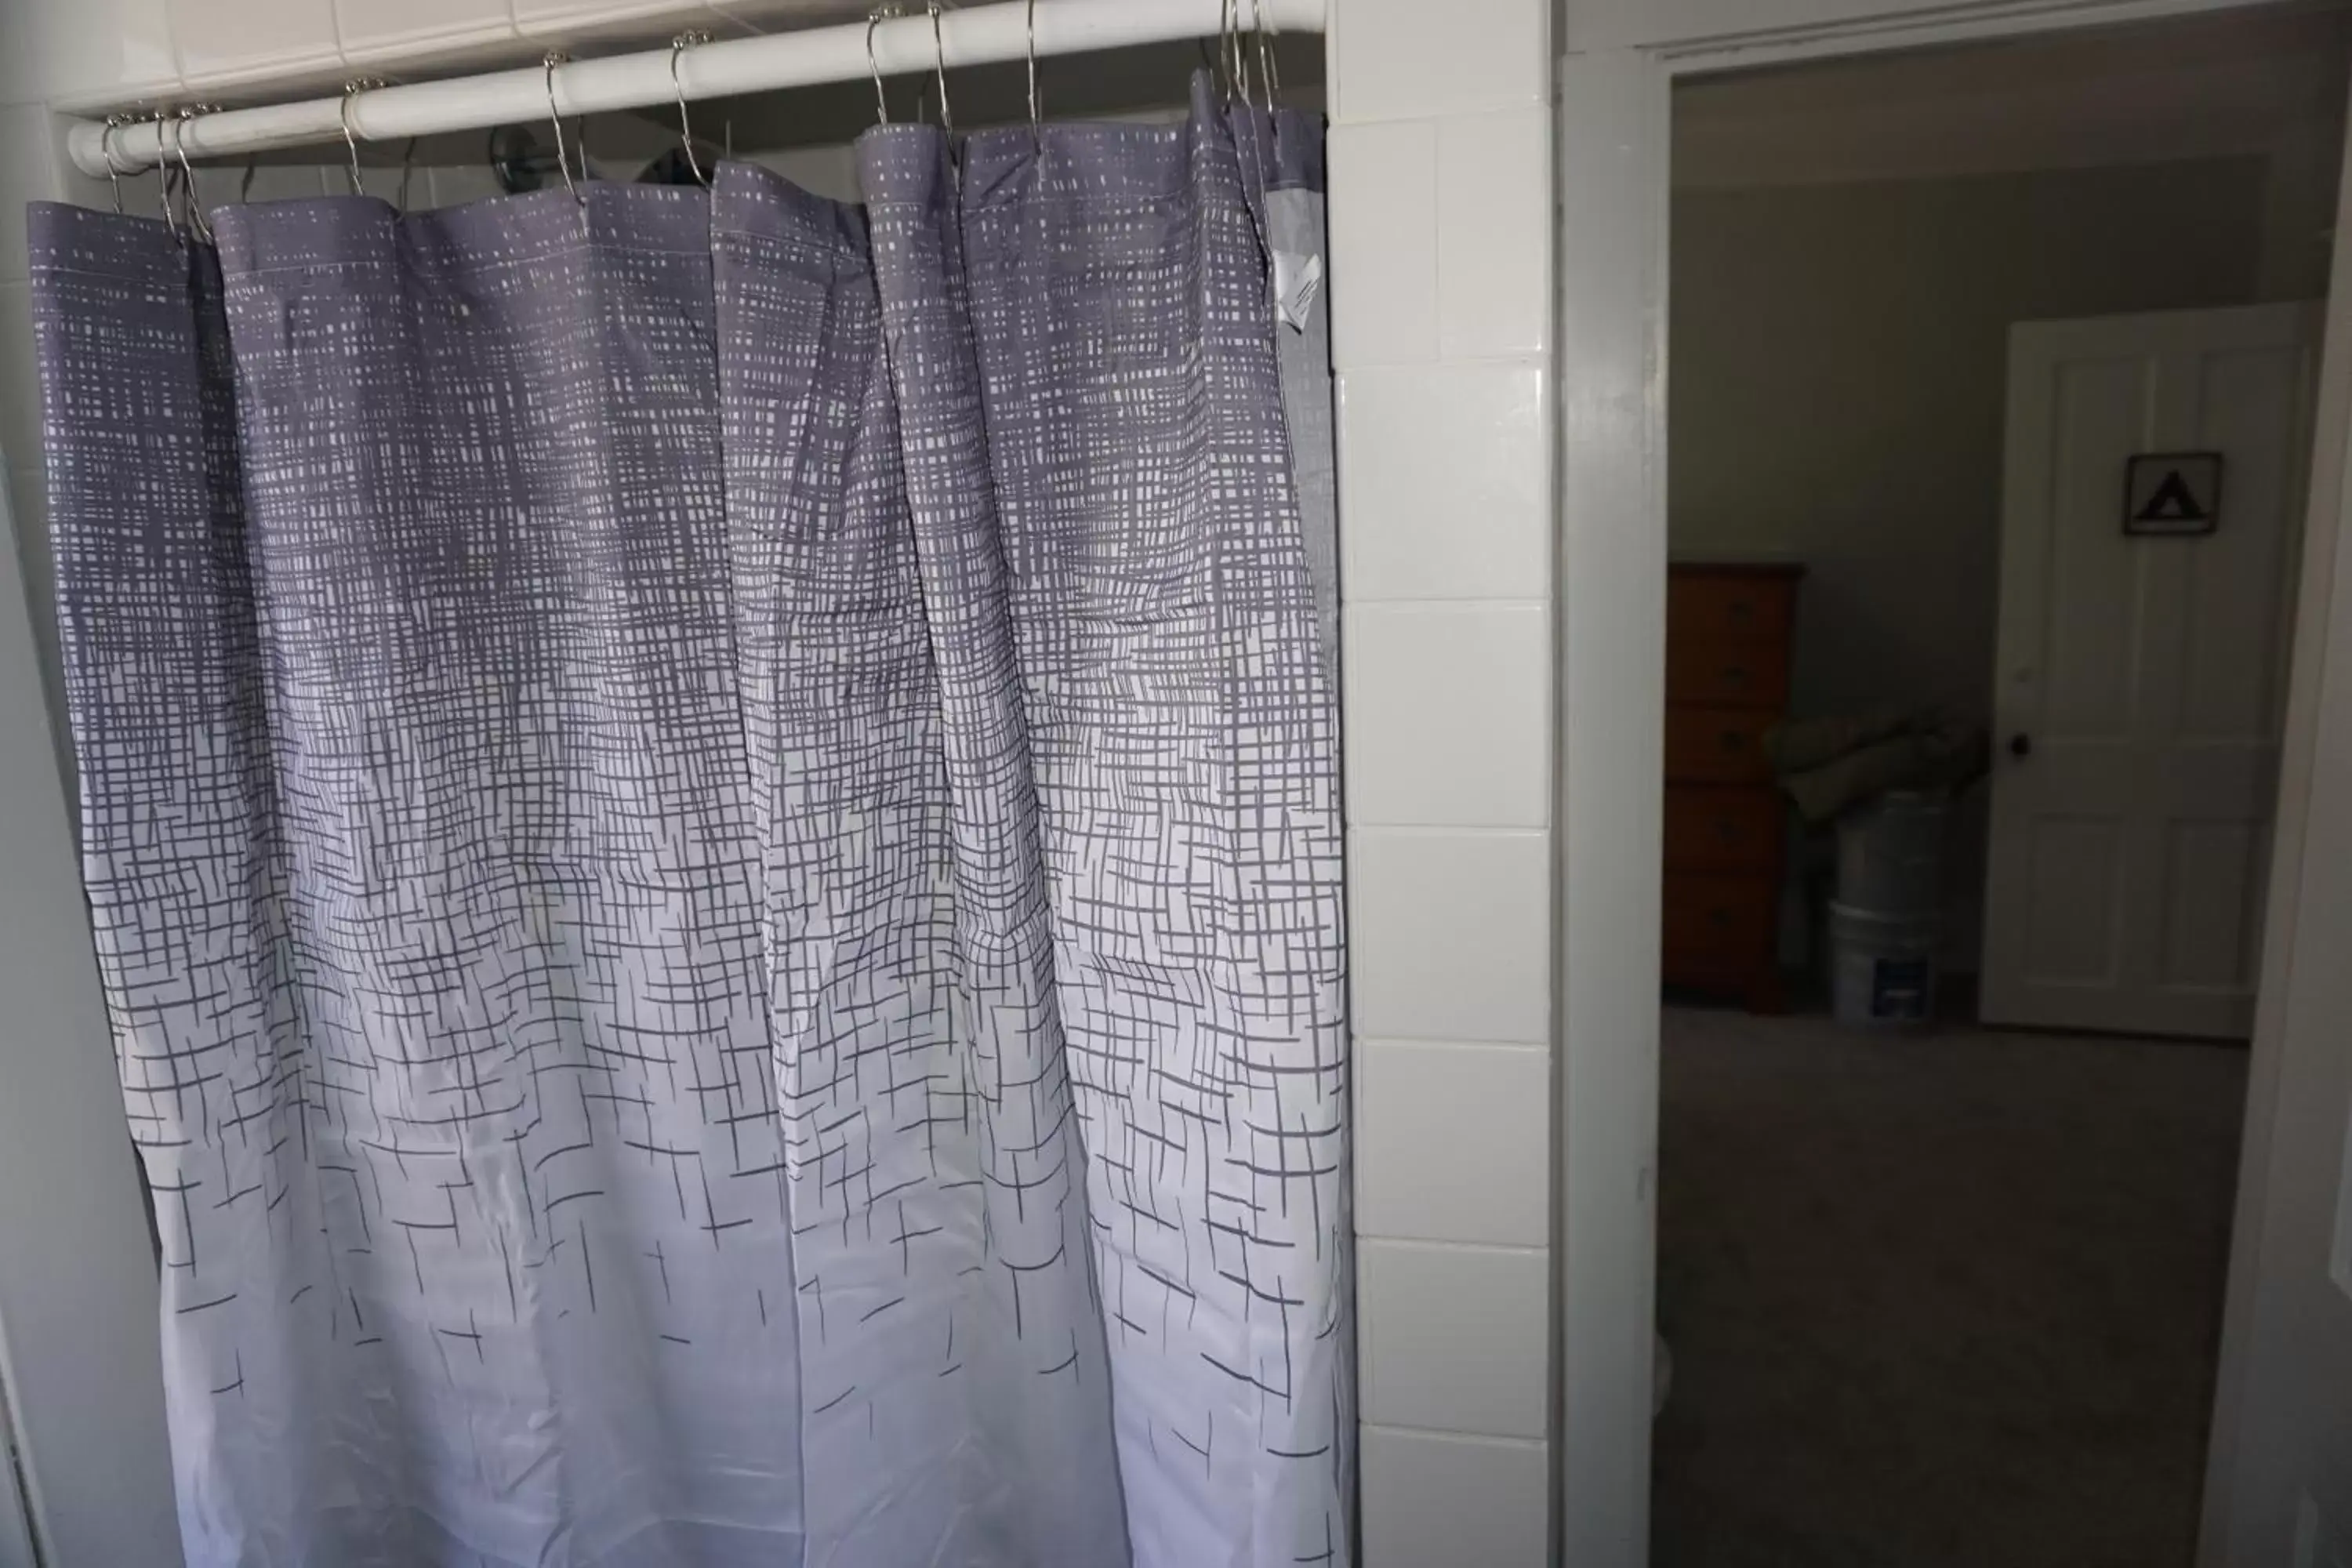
711,821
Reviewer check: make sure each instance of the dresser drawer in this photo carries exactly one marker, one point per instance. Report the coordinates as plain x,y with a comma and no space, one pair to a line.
1712,828
1718,746
1731,673
1716,922
1702,603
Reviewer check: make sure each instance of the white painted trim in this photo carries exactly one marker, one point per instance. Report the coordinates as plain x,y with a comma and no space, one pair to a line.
1611,590
2324,523
1614,176
1688,33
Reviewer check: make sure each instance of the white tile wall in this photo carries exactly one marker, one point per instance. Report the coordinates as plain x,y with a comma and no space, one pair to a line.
1494,251
377,35
224,43
1451,714
20,383
563,22
457,183
1447,481
30,508
24,177
272,183
68,184
1442,332
21,69
1397,58
1454,1141
1454,1338
1450,933
1434,1497
104,52
1383,217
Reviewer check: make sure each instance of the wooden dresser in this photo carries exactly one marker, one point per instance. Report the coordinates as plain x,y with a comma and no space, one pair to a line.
1729,629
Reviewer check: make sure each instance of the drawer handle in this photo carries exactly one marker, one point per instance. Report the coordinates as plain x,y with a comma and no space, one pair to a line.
1733,740
1735,676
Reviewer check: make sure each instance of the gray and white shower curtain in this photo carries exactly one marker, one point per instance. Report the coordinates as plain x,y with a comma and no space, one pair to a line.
710,819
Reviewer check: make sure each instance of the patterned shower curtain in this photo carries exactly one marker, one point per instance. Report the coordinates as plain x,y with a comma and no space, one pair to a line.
710,818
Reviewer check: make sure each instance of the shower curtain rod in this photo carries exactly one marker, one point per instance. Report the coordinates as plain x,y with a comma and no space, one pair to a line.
901,44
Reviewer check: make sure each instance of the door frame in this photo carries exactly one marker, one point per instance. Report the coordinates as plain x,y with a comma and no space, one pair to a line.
1613,125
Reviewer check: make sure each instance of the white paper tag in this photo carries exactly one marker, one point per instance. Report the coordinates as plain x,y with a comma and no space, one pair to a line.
1297,278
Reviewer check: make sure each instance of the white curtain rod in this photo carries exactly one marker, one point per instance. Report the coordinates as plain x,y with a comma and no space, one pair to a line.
979,36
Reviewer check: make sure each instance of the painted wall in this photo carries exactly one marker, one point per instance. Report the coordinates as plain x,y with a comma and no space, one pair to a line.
1839,365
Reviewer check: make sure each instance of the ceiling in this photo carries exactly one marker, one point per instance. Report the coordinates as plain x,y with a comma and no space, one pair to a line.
2243,83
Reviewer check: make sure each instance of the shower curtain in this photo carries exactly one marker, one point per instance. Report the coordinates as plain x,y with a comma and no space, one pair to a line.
710,819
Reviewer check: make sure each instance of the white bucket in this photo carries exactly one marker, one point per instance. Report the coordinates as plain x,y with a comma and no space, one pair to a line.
1891,854
1882,967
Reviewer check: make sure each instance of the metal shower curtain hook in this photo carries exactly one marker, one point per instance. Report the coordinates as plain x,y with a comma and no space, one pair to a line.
881,104
549,61
163,170
939,55
106,149
1036,121
351,89
1229,49
1263,30
678,47
196,223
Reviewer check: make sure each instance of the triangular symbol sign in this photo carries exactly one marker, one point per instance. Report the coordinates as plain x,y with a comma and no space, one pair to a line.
2171,502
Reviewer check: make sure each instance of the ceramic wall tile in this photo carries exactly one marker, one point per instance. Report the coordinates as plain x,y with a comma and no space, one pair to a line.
454,185
1383,218
1434,1499
230,43
1448,715
25,176
1446,481
1453,1142
1450,934
1399,59
20,383
613,25
1454,1339
416,31
101,54
1494,233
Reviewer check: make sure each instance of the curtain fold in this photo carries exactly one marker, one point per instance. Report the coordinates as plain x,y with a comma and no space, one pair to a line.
711,820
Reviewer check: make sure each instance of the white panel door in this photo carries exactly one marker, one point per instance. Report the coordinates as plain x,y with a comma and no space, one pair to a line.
2140,684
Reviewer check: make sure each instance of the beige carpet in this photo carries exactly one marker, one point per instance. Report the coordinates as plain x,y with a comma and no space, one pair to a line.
1937,1301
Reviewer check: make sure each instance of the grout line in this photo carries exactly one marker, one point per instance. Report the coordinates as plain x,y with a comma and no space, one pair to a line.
1515,1248
1514,359
1505,1438
1541,1048
1481,602
1474,830
1538,102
